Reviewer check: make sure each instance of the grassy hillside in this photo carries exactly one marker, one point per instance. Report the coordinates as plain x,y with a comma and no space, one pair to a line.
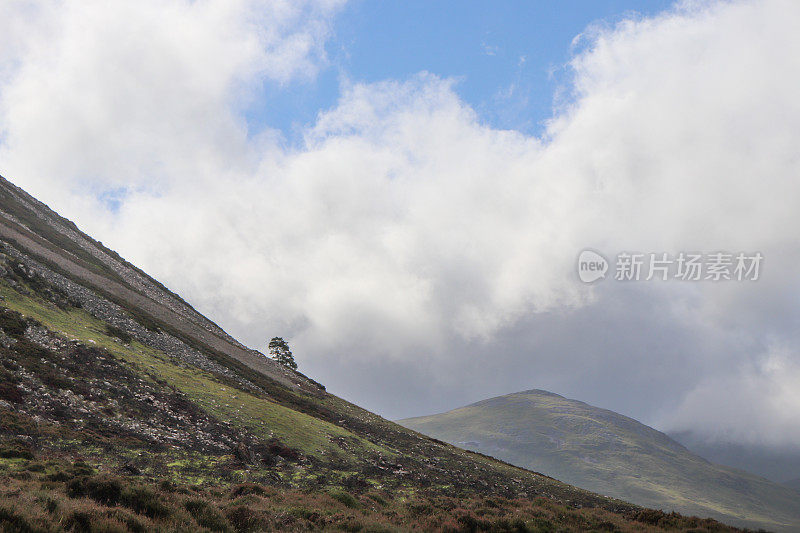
611,454
123,409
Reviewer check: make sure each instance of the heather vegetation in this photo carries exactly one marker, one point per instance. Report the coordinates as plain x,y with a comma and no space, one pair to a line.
55,496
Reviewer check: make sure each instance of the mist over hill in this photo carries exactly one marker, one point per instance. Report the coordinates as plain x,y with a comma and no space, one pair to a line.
777,464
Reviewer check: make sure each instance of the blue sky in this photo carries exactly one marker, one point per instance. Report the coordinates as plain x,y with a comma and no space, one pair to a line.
508,57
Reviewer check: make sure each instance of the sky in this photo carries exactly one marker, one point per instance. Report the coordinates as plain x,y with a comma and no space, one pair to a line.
402,189
508,57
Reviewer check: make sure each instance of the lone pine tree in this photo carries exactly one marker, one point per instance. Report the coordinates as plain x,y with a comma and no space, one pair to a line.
280,352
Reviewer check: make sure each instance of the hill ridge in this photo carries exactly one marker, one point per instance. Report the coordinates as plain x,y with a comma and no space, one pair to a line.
148,303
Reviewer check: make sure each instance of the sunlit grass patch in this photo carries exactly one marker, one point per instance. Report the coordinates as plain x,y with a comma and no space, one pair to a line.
262,416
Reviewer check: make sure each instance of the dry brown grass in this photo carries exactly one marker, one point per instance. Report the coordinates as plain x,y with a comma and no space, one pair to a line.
101,503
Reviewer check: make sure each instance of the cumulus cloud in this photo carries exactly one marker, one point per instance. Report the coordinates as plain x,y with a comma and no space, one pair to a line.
408,238
144,95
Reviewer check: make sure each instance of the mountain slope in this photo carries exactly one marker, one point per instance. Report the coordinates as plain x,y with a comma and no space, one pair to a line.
612,454
57,242
122,408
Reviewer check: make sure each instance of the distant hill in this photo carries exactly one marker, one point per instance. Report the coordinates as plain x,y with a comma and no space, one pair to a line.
611,454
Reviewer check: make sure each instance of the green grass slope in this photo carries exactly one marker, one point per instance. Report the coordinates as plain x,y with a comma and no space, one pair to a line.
611,454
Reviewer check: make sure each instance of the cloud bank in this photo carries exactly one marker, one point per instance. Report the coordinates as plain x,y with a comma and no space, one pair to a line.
417,257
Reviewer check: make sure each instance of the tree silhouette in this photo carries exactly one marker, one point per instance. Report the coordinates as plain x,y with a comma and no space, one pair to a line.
280,352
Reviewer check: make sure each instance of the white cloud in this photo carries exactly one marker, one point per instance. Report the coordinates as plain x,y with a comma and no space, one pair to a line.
756,403
406,230
111,94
